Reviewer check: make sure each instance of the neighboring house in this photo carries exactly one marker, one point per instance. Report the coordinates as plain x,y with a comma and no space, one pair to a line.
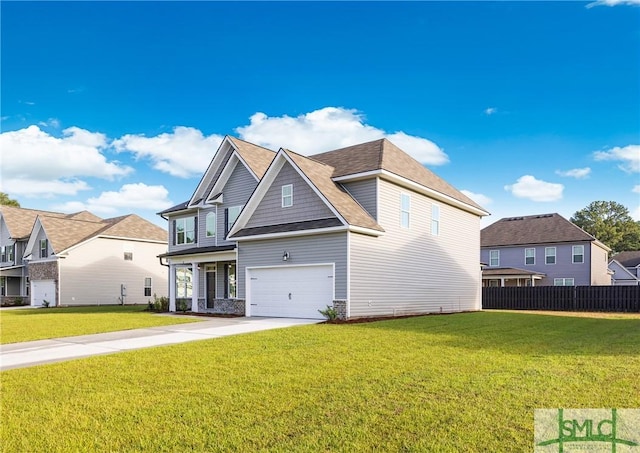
626,268
80,259
365,229
542,250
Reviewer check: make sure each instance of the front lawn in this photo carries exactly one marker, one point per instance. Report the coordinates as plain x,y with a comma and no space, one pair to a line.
453,383
27,324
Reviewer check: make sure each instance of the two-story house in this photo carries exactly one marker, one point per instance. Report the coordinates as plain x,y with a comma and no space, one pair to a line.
542,250
365,229
80,259
625,267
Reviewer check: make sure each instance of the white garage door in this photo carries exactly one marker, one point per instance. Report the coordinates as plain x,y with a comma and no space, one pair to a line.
290,291
42,290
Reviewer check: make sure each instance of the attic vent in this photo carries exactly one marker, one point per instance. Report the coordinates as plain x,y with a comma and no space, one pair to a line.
544,216
514,218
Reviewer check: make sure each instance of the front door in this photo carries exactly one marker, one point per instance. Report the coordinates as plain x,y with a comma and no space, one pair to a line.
211,288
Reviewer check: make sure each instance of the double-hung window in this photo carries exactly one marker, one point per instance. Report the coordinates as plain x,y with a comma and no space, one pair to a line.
10,252
530,256
550,255
44,248
563,282
494,258
147,286
231,289
231,214
435,220
3,254
287,195
211,225
184,282
577,254
185,230
405,210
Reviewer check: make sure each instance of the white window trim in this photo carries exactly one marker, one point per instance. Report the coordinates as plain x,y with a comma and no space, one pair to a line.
564,281
403,211
44,242
546,255
435,220
150,286
534,256
229,222
287,196
206,224
494,265
186,231
574,254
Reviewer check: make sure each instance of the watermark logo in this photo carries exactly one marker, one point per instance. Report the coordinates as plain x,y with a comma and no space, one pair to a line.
587,430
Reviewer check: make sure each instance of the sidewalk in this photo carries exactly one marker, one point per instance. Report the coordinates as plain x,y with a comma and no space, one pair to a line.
20,355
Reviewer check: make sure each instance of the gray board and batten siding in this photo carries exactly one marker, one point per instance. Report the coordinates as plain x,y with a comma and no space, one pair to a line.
307,205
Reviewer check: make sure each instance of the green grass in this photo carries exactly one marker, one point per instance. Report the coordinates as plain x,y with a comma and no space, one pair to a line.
41,323
453,383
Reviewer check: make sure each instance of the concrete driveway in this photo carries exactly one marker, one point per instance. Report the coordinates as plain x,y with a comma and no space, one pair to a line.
19,355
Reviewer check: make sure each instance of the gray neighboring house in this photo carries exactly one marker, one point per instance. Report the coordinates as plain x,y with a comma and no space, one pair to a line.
626,268
365,229
542,250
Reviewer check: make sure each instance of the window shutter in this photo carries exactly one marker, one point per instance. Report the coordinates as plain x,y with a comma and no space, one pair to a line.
173,231
195,229
226,223
226,276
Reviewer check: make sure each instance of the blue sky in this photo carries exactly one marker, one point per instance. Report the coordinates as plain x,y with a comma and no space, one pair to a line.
118,107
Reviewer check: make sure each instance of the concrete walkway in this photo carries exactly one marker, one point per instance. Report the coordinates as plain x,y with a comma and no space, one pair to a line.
20,355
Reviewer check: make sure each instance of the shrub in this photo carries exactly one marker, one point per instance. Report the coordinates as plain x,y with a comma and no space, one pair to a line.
181,305
330,313
45,304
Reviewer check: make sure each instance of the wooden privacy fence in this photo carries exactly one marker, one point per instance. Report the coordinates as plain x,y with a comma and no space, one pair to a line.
563,298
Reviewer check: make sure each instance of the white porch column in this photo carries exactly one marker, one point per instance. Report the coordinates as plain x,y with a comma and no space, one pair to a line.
195,286
502,282
533,281
172,288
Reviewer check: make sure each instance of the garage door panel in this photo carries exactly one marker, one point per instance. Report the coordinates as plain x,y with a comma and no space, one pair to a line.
290,291
42,290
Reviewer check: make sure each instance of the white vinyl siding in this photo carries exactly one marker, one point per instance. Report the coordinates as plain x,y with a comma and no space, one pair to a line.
85,280
287,195
550,255
530,257
409,271
405,210
577,254
494,258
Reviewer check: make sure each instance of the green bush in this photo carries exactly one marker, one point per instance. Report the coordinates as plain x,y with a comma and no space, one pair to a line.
181,305
330,313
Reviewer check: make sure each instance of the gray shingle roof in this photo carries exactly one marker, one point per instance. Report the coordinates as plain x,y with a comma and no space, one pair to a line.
628,259
534,229
384,155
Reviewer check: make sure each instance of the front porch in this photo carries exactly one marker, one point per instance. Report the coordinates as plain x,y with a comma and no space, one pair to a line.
509,276
205,282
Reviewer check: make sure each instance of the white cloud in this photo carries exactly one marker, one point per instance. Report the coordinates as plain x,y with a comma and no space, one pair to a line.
635,213
629,156
184,153
37,163
578,173
479,198
130,197
490,111
636,189
51,122
613,3
534,189
331,128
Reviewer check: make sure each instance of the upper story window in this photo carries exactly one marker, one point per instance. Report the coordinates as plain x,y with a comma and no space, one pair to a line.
563,282
287,195
494,258
405,210
44,248
231,215
550,255
10,252
211,225
530,257
577,253
3,254
185,230
435,219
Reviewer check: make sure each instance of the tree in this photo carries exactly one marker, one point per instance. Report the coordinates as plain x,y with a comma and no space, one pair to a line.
5,200
611,224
